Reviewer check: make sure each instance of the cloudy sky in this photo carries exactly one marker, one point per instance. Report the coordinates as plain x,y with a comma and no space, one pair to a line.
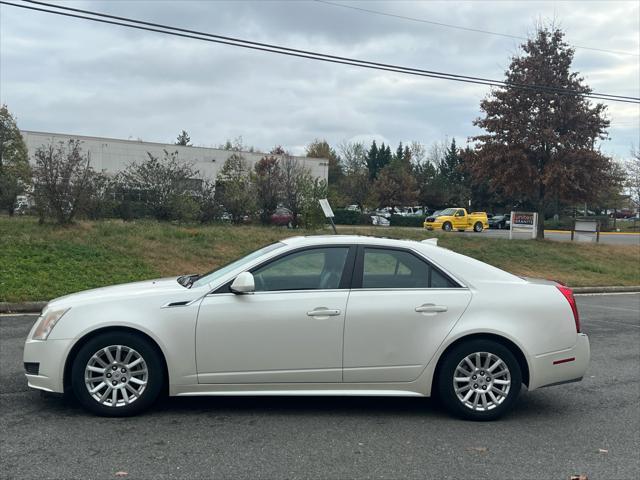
72,76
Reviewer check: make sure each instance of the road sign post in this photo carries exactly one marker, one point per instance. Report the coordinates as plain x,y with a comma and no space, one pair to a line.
328,213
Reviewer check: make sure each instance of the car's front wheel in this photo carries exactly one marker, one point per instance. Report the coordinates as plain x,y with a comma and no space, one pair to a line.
117,374
447,227
479,380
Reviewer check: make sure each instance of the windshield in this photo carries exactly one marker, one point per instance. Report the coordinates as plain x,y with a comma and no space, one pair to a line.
216,274
448,211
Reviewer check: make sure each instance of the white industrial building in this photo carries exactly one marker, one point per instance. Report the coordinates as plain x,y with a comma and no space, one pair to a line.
110,155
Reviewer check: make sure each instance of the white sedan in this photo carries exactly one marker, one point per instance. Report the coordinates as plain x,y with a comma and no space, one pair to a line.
324,315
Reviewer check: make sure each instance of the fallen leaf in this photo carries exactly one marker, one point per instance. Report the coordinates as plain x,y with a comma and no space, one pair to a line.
602,450
121,474
578,477
478,449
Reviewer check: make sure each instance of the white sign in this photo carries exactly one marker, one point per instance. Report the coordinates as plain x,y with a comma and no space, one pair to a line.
326,208
524,222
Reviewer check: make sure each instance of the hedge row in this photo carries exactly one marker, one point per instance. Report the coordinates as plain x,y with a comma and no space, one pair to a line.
410,221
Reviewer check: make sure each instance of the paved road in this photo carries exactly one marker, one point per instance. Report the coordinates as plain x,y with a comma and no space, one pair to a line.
553,433
609,238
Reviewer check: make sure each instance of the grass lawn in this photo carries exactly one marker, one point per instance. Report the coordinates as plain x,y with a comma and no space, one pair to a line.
43,262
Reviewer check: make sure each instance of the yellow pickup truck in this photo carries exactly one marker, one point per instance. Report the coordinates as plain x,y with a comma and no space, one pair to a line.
457,218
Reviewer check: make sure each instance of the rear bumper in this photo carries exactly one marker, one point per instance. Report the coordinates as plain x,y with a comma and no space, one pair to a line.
563,366
50,355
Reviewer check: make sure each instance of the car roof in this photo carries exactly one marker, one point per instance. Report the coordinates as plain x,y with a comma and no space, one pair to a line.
350,239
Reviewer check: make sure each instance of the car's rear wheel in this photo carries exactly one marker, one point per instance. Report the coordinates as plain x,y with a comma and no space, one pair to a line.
117,374
478,227
479,380
447,227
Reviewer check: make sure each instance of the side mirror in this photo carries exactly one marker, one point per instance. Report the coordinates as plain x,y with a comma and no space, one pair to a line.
243,283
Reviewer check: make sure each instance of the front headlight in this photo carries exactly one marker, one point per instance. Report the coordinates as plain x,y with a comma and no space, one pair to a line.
46,323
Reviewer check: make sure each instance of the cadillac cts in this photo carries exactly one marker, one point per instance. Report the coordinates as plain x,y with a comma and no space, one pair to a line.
325,315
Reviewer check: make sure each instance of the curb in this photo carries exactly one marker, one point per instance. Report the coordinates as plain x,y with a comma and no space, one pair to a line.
632,289
36,307
25,307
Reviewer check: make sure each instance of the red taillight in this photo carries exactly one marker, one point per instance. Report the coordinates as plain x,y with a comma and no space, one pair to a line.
568,294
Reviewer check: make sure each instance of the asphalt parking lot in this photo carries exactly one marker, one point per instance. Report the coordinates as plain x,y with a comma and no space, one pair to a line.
590,428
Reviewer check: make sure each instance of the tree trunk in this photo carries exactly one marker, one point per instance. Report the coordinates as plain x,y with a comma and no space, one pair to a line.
540,229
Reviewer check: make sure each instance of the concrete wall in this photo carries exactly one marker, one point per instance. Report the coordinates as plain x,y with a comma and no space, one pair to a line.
111,155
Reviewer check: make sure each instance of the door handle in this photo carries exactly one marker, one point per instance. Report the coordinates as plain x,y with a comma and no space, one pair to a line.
431,308
324,312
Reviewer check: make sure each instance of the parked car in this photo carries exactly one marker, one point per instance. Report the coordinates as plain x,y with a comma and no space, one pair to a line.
282,217
380,221
323,315
500,221
457,218
411,211
385,212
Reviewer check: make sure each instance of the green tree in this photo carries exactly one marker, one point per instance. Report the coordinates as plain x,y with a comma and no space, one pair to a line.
183,139
312,214
396,185
15,172
541,146
399,152
372,160
633,177
62,180
455,176
384,156
322,149
236,191
165,186
296,183
267,178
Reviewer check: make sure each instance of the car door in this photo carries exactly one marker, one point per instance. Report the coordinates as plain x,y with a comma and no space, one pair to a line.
399,312
460,220
289,330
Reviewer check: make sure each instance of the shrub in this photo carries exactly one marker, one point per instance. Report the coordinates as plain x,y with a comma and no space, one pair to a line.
348,217
411,221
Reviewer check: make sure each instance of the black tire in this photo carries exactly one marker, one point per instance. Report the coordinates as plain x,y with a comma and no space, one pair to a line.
154,374
478,227
447,227
446,373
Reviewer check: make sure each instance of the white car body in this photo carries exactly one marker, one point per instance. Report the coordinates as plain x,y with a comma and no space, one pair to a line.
373,341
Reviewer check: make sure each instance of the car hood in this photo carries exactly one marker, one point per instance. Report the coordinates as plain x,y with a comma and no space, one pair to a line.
145,288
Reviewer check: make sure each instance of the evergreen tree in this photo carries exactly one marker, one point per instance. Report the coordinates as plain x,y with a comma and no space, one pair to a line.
399,152
183,139
384,156
372,160
15,172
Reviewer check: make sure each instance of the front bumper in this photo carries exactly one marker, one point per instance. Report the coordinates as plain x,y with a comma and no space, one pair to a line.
433,225
50,355
562,366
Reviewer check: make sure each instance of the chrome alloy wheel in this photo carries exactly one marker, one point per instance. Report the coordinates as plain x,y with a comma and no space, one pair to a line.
116,376
482,381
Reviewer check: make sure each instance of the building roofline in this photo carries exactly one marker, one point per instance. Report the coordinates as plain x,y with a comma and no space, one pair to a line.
158,144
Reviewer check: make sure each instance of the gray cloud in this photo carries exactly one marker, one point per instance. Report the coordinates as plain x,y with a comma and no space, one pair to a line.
71,76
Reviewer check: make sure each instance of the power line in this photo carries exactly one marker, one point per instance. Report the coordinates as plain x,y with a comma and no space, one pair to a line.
313,55
460,27
203,36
